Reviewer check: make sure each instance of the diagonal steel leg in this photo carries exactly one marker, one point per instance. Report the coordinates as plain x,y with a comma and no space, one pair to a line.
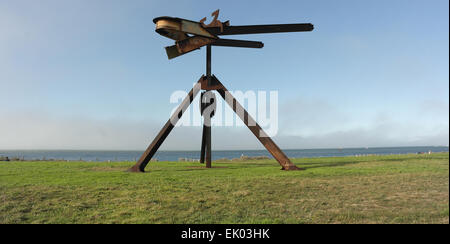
276,152
162,135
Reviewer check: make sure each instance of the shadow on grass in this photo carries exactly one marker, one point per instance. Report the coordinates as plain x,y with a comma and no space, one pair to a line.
227,166
343,163
191,168
304,165
307,166
240,165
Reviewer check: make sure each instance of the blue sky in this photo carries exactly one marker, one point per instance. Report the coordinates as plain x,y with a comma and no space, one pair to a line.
94,75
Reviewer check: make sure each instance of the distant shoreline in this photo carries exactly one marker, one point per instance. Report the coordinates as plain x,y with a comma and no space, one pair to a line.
192,156
219,150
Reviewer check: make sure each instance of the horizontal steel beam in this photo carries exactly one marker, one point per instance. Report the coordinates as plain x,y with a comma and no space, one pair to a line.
195,42
187,45
237,43
260,29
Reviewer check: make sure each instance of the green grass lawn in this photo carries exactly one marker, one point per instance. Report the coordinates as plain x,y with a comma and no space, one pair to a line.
374,189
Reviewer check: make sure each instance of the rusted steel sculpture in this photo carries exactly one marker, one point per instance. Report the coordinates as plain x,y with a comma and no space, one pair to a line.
189,36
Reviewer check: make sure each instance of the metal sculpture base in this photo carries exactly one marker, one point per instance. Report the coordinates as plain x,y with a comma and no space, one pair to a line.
208,84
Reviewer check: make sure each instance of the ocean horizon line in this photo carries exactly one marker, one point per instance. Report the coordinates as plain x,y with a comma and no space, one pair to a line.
223,150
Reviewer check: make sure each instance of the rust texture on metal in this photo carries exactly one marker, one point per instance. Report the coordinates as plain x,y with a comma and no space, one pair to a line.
213,83
205,102
190,35
207,34
207,110
187,45
167,25
215,22
170,29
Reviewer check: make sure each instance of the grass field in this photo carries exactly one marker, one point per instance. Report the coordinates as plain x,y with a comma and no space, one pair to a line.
373,189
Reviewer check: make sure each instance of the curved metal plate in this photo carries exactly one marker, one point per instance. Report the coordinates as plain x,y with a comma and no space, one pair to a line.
177,29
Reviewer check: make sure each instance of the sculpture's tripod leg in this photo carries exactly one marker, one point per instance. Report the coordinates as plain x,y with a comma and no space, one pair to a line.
208,144
208,116
276,152
162,135
203,148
